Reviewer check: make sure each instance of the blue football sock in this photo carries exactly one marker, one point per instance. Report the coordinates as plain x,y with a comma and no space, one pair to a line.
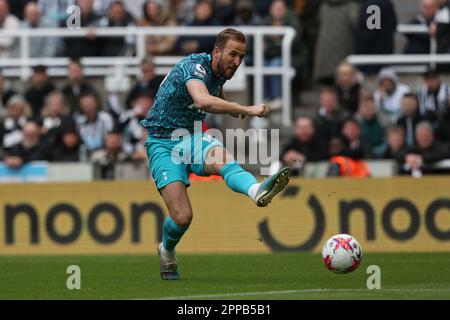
237,178
172,233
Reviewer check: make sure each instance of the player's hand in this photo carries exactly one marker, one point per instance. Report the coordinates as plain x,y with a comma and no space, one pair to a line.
259,110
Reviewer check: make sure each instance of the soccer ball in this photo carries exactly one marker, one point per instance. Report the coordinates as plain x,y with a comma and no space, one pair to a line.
342,253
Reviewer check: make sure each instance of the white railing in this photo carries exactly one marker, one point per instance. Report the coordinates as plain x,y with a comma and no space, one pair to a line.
400,59
103,66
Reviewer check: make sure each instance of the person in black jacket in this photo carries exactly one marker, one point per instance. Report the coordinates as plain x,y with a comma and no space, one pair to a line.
84,46
5,94
419,43
305,146
350,143
32,147
149,82
204,17
330,116
40,88
119,45
67,148
348,88
395,148
427,151
376,41
444,125
410,117
76,86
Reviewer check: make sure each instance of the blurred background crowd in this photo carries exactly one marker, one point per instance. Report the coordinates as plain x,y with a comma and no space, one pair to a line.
72,120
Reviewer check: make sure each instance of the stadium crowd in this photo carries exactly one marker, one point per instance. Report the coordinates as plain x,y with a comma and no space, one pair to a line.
73,122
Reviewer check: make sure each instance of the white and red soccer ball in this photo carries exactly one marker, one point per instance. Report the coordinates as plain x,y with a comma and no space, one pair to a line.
342,253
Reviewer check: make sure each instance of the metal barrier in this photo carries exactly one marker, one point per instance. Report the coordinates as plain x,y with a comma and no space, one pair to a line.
103,66
400,59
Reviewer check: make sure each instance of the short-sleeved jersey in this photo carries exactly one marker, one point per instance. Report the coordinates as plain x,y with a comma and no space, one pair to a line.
174,107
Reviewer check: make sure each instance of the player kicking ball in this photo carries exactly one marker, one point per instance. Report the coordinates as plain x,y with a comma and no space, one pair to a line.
192,89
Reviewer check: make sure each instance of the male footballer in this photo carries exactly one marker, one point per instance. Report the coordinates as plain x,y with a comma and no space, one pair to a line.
192,89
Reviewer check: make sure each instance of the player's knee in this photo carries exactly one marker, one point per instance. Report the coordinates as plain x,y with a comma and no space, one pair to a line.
218,156
182,217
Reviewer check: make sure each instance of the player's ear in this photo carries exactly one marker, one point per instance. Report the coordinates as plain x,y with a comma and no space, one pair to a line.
216,52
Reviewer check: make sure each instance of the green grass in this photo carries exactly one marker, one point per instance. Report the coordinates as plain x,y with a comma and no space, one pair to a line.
258,276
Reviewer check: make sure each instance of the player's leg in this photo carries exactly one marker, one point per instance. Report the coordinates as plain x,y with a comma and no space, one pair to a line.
171,179
180,216
220,162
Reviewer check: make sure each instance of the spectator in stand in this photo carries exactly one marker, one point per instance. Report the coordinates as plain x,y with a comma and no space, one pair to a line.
39,46
84,46
129,121
262,7
225,11
40,88
156,16
184,10
372,131
410,117
246,16
419,43
67,147
203,18
444,125
101,7
427,151
348,87
55,10
54,114
353,146
348,151
18,112
18,6
395,147
31,148
330,117
433,96
117,46
111,154
76,86
305,146
279,16
308,13
7,22
388,97
149,82
440,29
5,94
93,124
376,41
338,25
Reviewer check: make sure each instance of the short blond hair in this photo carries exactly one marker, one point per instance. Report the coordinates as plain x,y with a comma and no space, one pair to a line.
19,100
228,34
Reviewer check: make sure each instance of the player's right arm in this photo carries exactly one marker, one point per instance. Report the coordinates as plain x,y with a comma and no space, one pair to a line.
205,101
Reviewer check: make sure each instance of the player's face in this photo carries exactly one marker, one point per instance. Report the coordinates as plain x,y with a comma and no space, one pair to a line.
231,58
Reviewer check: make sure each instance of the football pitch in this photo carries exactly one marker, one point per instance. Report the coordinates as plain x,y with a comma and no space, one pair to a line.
219,277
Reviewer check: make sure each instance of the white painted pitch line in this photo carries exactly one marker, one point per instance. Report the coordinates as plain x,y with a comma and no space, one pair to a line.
243,294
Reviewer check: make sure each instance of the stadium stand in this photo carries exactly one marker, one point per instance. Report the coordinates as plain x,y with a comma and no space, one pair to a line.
75,96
